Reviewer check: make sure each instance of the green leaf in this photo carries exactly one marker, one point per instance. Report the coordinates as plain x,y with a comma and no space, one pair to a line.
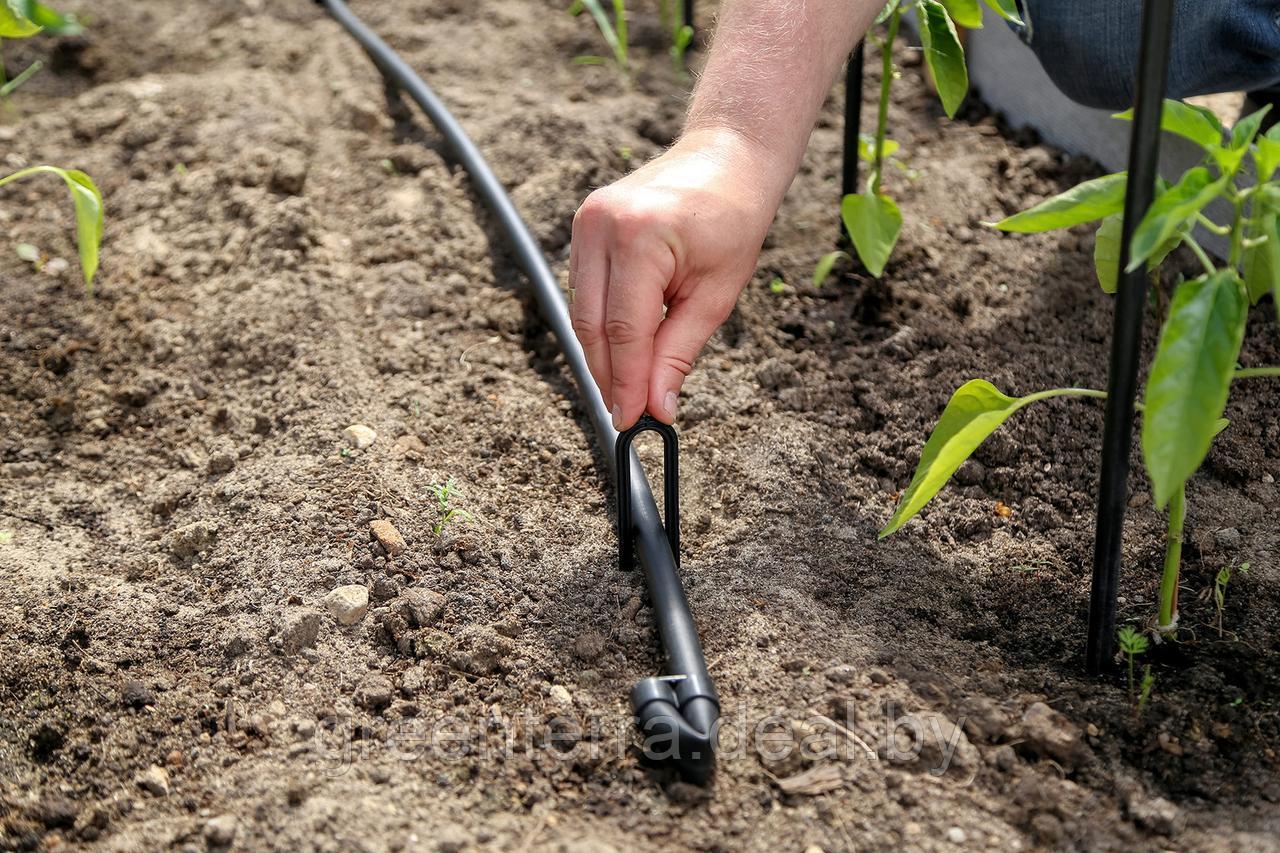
52,22
1242,135
1171,211
1262,261
1266,157
873,223
966,13
824,266
1191,377
1082,203
887,11
89,213
14,24
1198,124
867,147
1007,9
1106,251
943,54
975,410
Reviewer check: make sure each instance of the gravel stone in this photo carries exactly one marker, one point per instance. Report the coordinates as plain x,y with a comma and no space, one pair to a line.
348,604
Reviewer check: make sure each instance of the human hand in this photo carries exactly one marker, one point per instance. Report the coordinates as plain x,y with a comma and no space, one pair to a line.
683,232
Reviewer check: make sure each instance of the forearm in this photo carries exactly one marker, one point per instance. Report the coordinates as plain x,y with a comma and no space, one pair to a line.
771,65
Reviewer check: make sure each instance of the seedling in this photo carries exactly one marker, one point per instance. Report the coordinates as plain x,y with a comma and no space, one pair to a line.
871,218
23,19
1195,361
445,510
673,22
1220,590
614,32
777,287
89,211
1133,643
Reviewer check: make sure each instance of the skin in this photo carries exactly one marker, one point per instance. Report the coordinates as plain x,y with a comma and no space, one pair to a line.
659,258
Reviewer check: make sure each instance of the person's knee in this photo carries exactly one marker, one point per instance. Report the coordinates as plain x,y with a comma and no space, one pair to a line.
1089,48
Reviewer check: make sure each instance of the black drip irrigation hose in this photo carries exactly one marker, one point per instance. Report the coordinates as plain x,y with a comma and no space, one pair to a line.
676,712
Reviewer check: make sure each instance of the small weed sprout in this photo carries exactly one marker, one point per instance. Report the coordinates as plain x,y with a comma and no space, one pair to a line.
1133,643
446,512
1220,590
681,34
1144,689
614,32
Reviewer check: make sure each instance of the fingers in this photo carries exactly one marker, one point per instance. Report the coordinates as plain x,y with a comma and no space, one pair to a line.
688,326
589,279
638,275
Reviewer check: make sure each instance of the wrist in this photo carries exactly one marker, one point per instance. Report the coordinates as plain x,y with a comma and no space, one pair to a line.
744,154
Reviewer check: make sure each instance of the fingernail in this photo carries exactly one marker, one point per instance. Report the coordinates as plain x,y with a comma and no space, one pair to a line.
669,403
617,417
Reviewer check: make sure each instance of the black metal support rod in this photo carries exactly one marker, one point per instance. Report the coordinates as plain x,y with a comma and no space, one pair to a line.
852,121
692,715
1126,340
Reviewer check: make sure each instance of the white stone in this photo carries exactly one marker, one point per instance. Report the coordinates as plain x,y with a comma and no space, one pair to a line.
560,695
154,781
348,604
359,436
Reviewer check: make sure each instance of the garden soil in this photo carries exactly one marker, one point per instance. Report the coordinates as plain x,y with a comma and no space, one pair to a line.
288,253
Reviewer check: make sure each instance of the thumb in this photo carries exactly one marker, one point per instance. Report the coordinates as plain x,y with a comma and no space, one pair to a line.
688,326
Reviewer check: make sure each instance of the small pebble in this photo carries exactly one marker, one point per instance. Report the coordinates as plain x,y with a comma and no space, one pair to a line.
956,835
299,629
135,694
154,781
359,436
388,537
220,831
348,604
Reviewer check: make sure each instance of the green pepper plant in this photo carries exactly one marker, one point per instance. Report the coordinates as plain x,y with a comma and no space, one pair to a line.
1195,363
22,19
871,218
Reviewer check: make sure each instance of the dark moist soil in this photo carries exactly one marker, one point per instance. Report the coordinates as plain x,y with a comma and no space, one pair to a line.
284,260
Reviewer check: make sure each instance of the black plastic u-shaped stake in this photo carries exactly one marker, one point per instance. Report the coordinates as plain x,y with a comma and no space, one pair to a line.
676,713
670,493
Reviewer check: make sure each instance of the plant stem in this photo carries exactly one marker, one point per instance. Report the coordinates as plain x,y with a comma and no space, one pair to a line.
1237,232
1201,255
7,88
1065,392
886,80
1256,372
1132,694
620,27
1172,560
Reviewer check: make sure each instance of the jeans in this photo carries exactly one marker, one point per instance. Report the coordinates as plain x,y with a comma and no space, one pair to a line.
1090,47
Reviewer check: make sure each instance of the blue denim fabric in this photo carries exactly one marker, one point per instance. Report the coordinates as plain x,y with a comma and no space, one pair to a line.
1089,47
